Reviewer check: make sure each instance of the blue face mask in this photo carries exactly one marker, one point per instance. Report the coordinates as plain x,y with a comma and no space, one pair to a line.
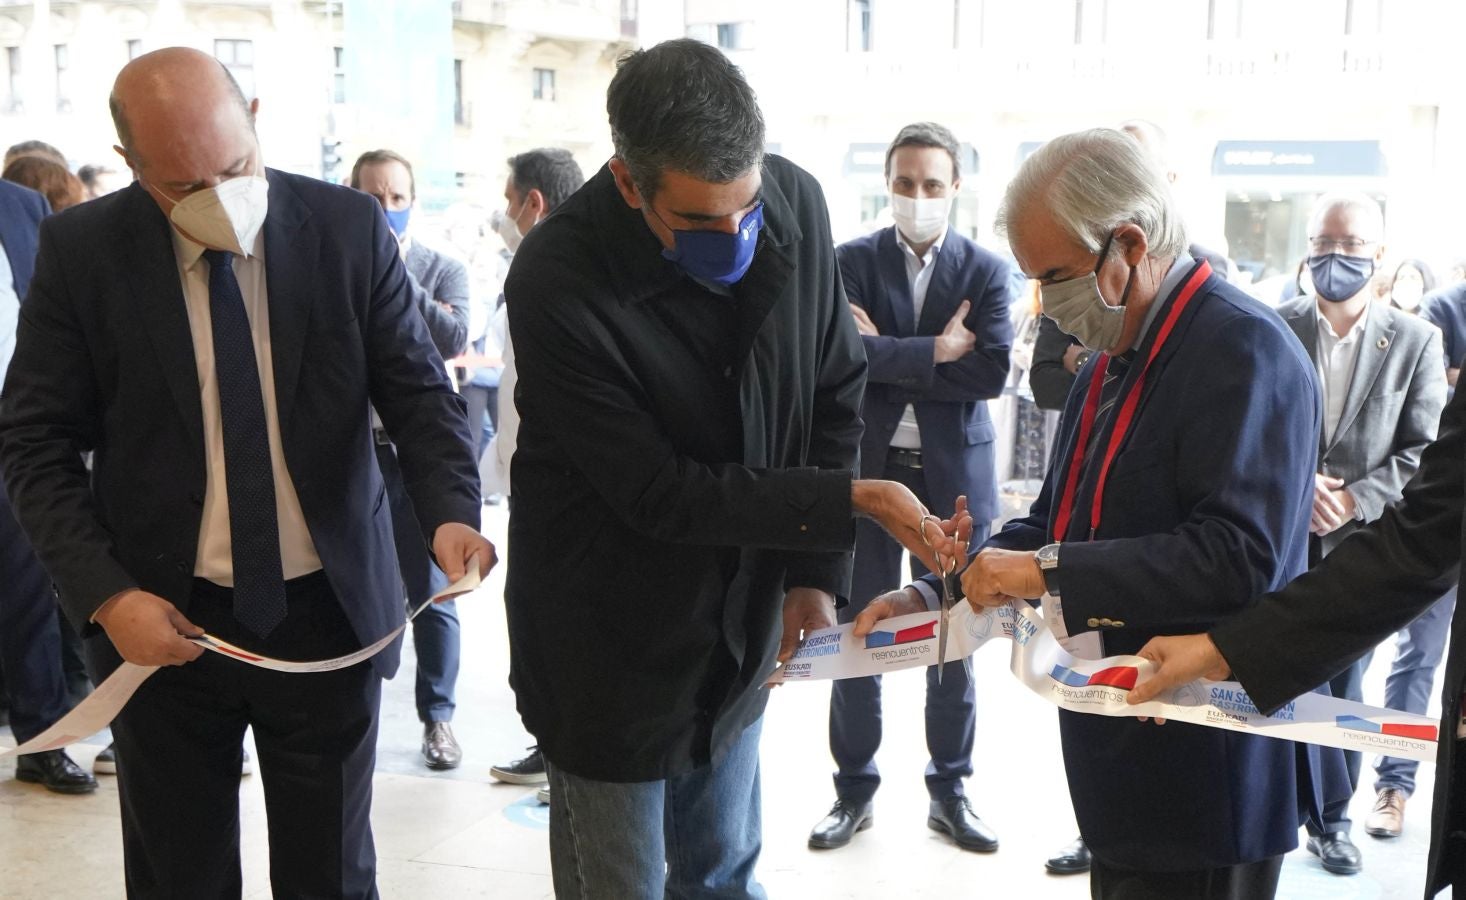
397,220
1337,277
715,255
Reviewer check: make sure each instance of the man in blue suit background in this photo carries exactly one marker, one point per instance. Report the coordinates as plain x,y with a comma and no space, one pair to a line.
1183,485
932,309
30,637
215,334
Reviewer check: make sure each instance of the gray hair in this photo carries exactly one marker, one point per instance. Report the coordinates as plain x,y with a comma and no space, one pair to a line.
1092,182
1373,218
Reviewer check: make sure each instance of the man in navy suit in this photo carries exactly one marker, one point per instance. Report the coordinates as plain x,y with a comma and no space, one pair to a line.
932,309
1183,485
30,637
215,334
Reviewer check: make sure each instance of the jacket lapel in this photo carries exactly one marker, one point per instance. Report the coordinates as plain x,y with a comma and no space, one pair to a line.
892,261
161,307
940,300
1375,344
292,264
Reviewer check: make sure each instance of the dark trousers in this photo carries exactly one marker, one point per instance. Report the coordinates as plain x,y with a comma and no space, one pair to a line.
435,633
30,633
855,703
179,745
1248,881
1338,785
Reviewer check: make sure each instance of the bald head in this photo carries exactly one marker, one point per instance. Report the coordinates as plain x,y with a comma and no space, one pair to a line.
175,93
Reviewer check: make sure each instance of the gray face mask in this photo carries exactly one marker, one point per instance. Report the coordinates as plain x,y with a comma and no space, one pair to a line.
1079,309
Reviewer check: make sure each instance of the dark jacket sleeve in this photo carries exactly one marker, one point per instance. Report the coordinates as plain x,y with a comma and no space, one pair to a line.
1374,583
50,414
1048,379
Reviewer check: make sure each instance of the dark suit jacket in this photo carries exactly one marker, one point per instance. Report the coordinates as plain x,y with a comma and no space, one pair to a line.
21,212
1391,408
1207,504
1378,581
683,458
104,362
951,398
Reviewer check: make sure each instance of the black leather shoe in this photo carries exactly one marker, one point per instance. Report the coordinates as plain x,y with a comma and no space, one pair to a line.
1072,860
1337,853
439,748
844,820
954,816
56,771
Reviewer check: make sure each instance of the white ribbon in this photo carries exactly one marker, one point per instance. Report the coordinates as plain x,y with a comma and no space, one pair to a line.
1099,687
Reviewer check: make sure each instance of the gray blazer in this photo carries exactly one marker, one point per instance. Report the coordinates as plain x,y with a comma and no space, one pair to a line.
438,278
1391,411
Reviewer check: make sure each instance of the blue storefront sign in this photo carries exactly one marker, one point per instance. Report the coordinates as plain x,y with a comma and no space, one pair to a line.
1331,158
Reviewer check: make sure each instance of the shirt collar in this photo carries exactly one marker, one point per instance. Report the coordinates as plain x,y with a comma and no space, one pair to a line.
1174,276
1326,329
190,252
932,251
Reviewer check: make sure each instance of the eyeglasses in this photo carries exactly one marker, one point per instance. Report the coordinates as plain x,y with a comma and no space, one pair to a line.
1351,246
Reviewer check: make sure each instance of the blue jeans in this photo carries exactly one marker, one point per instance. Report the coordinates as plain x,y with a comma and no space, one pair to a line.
695,835
1419,648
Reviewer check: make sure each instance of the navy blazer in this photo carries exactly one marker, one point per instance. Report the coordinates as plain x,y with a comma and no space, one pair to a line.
1207,506
21,212
104,362
950,398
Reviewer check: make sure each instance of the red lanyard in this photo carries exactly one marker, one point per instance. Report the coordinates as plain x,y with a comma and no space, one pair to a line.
1123,420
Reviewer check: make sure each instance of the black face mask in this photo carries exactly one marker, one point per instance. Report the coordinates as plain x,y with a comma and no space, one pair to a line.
1337,277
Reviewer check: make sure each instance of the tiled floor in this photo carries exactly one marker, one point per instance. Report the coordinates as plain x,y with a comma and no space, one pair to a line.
455,834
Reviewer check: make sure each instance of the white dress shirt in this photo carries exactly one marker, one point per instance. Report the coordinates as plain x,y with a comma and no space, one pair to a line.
9,312
919,275
215,560
1335,359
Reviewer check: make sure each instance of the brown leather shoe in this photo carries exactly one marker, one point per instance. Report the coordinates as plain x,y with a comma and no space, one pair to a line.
439,748
1387,819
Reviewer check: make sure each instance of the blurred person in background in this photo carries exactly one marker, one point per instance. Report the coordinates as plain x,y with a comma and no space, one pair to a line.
99,180
440,287
52,180
36,148
1412,280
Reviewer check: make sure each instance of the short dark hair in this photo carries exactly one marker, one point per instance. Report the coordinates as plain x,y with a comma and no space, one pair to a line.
681,106
550,170
34,148
927,134
377,157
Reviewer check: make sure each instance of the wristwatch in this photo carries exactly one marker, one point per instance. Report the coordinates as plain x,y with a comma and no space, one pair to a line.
1048,565
1081,358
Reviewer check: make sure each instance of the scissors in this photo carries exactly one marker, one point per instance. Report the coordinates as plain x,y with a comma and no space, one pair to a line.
950,591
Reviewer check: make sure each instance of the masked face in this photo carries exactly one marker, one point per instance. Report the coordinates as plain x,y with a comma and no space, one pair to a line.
716,255
1079,309
228,216
920,219
508,228
1337,277
1408,289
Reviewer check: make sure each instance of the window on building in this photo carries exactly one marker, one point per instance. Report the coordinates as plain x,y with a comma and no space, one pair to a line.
544,84
1223,20
134,48
729,35
338,74
63,78
239,58
1364,17
460,114
14,101
857,21
1089,21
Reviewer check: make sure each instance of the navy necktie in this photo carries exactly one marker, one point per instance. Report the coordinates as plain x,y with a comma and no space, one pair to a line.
254,530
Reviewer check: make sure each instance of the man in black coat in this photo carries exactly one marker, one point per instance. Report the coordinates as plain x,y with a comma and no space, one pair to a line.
689,390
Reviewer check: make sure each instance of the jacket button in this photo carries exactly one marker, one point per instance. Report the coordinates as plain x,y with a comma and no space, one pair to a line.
1118,624
1093,622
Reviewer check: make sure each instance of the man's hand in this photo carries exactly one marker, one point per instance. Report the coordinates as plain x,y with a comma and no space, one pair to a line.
454,544
863,324
1178,660
888,606
1071,358
955,341
931,540
997,576
148,630
805,610
1332,505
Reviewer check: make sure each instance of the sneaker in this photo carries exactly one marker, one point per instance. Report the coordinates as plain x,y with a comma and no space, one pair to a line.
106,761
1387,819
530,770
543,795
